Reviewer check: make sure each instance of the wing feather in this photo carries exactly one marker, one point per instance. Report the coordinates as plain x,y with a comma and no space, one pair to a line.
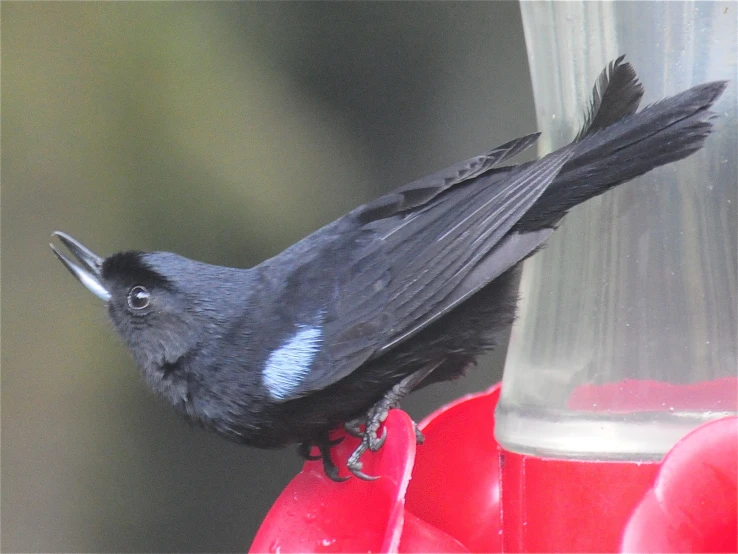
392,276
420,299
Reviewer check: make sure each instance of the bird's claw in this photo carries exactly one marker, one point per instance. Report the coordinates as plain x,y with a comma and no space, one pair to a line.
373,420
331,471
355,466
324,446
369,439
375,442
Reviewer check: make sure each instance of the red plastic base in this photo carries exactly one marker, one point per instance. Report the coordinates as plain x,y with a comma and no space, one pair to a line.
460,491
686,503
553,505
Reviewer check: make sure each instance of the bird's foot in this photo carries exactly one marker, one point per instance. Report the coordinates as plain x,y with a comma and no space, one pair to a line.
324,445
353,428
375,416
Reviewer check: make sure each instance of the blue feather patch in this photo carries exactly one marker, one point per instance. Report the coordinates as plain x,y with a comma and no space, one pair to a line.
287,366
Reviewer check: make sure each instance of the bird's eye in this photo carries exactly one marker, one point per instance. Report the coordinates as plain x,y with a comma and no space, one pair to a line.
138,298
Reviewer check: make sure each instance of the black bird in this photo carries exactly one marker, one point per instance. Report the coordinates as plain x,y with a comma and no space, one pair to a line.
399,293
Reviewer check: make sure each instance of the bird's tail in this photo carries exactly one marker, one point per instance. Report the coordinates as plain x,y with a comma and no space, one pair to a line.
617,144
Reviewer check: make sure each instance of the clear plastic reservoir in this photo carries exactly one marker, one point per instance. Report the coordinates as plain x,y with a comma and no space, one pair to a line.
627,325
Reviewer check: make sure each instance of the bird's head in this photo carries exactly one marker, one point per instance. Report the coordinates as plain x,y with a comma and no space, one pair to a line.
164,306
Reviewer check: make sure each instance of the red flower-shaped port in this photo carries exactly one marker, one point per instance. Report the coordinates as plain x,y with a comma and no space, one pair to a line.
444,496
693,504
440,497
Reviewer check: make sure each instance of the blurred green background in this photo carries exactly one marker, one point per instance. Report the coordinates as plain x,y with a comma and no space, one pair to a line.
224,132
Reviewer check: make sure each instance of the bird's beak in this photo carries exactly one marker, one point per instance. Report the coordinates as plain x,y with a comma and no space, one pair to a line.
89,267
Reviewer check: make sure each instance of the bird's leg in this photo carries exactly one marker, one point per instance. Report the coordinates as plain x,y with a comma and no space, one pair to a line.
376,415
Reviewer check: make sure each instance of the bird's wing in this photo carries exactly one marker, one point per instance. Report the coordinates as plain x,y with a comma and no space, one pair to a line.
455,246
395,263
401,262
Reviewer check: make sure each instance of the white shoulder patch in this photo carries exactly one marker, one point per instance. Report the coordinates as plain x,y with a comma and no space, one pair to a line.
287,366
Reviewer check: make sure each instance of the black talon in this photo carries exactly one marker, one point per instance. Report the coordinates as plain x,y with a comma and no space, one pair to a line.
324,446
304,450
330,469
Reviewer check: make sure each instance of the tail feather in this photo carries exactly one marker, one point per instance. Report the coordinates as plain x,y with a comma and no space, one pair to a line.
616,94
617,144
